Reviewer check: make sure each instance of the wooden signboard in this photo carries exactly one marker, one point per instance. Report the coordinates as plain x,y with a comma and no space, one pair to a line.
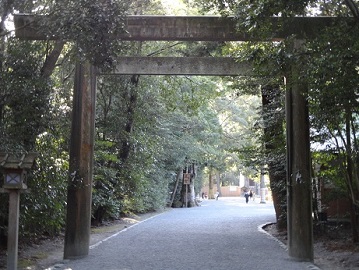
186,178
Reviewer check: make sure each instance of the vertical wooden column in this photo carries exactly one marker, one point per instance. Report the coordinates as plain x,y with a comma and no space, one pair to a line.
13,229
299,195
78,221
262,187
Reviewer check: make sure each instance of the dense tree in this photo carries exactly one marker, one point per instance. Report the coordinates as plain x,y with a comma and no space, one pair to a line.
273,121
334,105
34,109
31,118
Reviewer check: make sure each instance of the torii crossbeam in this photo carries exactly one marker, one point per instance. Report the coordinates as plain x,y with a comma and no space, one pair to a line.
190,28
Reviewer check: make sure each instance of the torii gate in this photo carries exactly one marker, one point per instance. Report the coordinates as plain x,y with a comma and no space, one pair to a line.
186,28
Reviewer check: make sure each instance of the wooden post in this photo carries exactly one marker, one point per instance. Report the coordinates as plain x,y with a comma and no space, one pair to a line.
78,221
186,195
179,173
299,195
262,187
13,228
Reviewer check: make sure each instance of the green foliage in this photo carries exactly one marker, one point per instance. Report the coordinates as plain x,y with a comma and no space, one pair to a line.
105,203
43,209
333,97
170,120
93,26
253,13
333,74
131,179
25,95
29,118
330,171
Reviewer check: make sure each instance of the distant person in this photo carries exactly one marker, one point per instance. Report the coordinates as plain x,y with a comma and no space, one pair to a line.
217,195
250,194
246,195
203,195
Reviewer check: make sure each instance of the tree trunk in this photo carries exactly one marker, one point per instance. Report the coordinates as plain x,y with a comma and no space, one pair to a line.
352,186
178,177
188,194
218,182
273,142
210,184
278,196
131,97
354,222
51,59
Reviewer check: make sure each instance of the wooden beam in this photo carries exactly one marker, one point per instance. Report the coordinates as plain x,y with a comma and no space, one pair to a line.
189,28
206,66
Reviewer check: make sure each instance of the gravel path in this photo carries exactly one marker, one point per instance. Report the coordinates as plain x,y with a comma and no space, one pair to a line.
223,234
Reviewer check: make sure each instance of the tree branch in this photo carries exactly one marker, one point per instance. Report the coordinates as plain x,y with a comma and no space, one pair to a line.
51,59
353,8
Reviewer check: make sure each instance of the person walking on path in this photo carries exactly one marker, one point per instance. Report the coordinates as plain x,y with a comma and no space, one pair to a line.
246,195
251,194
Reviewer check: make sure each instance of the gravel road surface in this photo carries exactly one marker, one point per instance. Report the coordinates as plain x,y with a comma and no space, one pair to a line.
223,234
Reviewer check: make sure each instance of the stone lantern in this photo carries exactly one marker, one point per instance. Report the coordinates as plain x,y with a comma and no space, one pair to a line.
15,168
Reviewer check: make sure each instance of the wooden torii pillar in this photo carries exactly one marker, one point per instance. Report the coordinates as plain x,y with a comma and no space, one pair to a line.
299,181
79,189
184,28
